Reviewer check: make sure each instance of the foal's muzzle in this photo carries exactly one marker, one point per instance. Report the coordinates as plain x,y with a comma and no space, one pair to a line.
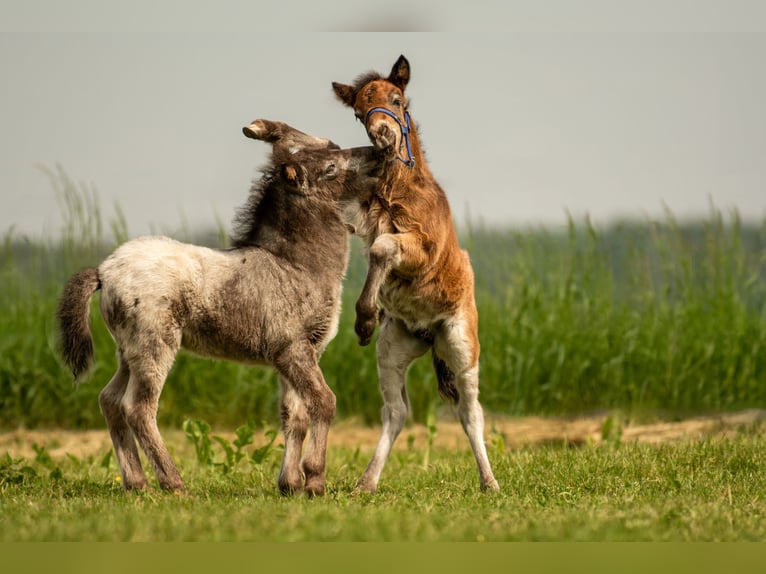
404,128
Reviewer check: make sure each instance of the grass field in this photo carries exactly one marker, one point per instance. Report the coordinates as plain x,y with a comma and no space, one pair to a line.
706,489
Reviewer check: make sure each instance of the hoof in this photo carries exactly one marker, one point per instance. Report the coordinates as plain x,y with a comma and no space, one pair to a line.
363,488
365,328
286,489
290,490
491,486
174,487
315,490
365,340
136,486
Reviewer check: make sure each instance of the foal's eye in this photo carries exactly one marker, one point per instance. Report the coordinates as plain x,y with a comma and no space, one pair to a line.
330,169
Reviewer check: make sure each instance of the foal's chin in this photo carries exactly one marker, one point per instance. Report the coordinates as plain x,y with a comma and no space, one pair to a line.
385,150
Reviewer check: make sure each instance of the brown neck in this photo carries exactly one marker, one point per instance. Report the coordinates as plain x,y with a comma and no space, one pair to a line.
419,170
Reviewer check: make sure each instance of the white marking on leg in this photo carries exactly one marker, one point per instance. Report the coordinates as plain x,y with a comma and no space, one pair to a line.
455,346
472,419
396,350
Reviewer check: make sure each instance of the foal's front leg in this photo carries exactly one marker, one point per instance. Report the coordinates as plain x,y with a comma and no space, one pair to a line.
389,251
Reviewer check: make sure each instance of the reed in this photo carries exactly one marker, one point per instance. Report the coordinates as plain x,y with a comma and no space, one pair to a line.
654,316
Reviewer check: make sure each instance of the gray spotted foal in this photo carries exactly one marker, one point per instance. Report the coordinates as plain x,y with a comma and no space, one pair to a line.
274,299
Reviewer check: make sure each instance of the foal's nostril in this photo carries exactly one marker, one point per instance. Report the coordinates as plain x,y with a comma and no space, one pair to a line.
382,136
386,132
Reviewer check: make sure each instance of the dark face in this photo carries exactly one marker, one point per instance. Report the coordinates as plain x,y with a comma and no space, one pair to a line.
339,175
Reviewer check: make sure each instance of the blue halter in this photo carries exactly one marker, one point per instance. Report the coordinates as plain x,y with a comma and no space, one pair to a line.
405,129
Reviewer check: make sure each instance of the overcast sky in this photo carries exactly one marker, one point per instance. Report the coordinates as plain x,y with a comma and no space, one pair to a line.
536,115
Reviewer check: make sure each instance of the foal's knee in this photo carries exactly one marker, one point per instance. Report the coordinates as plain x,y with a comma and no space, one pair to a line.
384,251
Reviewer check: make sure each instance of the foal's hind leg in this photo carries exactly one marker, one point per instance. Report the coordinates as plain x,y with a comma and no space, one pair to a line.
295,424
147,377
124,442
299,367
457,344
397,348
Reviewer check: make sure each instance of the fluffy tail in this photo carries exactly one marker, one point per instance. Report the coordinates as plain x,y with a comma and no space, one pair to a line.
74,320
445,379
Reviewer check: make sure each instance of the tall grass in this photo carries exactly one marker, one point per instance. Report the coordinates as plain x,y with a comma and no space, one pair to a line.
641,316
636,316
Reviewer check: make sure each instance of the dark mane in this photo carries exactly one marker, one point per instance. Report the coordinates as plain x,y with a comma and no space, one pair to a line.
247,217
363,79
279,219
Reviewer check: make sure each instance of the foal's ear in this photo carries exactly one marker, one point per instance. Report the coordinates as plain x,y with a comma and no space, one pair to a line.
264,130
345,93
291,173
400,73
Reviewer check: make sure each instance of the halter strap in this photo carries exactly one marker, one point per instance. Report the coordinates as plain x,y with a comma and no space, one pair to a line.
403,127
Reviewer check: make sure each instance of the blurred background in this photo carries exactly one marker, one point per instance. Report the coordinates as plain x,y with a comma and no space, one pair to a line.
526,110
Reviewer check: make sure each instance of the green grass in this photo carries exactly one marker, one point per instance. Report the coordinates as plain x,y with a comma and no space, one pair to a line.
707,490
648,316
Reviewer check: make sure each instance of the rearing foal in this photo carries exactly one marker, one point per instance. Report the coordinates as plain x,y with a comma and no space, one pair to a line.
417,271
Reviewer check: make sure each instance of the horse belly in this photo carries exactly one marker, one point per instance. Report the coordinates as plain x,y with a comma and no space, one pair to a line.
253,331
216,344
416,311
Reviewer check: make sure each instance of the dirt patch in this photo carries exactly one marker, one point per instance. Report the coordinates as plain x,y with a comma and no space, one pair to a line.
522,431
21,443
515,432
